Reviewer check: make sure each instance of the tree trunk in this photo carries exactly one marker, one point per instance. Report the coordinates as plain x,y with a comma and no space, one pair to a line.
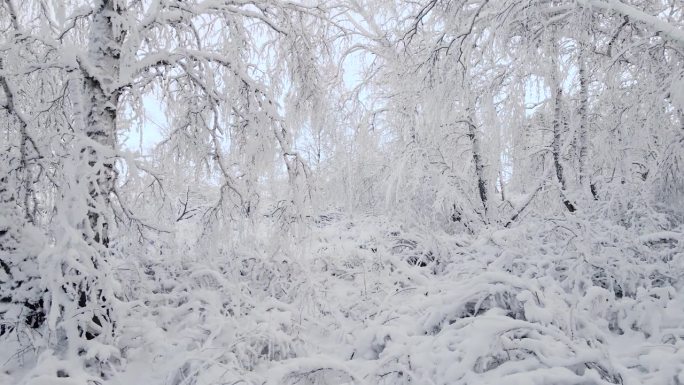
101,111
24,169
556,147
99,114
584,178
479,167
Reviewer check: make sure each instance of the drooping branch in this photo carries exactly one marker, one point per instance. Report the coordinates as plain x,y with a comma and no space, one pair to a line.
672,32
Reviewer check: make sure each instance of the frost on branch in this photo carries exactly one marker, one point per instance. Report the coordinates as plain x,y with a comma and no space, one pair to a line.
341,192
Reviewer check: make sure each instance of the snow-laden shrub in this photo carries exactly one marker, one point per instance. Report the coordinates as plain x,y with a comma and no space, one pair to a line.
568,300
546,302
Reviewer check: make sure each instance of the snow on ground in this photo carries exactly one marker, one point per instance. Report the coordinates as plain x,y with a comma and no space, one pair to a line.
365,300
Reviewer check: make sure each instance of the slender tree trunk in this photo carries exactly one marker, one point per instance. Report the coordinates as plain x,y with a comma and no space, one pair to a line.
584,126
556,147
479,166
21,119
20,282
558,124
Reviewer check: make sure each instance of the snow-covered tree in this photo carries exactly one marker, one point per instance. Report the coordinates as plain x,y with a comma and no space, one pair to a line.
341,191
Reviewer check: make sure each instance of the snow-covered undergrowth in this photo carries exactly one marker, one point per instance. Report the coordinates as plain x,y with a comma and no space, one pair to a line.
366,300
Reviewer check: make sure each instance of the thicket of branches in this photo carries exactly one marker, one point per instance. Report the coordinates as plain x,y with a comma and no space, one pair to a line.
342,191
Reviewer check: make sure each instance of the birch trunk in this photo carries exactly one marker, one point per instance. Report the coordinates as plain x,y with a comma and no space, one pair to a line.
479,167
101,100
99,104
584,126
556,147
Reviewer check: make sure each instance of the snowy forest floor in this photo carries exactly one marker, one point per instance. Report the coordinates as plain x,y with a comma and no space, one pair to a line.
365,300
